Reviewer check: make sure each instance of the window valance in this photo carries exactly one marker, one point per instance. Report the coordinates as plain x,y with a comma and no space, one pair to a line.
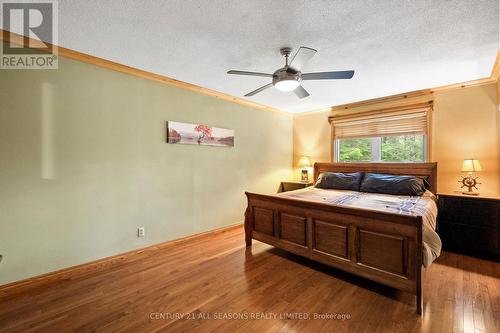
407,120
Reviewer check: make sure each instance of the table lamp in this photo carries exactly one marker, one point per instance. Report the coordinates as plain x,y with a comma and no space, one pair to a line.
470,165
304,163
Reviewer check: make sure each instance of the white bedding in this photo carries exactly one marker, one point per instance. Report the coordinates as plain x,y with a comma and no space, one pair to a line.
424,206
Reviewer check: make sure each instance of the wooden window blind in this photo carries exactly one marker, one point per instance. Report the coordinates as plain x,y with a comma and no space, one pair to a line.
407,120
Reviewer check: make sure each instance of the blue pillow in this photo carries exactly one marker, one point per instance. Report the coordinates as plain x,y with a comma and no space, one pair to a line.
392,184
339,181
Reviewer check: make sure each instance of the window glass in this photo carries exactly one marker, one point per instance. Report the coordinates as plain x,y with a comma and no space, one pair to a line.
406,148
355,150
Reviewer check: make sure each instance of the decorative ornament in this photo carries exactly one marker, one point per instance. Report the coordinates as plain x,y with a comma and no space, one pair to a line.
469,182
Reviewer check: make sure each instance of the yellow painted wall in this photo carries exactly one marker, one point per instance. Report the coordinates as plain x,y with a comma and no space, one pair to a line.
83,163
311,137
466,123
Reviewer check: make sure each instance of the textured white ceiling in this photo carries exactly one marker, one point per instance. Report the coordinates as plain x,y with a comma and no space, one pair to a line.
394,46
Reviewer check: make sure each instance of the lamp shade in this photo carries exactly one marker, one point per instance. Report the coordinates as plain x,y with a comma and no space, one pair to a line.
471,165
305,162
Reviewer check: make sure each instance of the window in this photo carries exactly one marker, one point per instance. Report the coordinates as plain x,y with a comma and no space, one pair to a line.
390,135
354,150
405,148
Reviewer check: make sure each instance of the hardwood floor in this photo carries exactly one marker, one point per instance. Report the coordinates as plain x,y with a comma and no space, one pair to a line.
216,276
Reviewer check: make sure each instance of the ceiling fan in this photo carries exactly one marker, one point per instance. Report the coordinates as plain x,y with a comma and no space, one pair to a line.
290,76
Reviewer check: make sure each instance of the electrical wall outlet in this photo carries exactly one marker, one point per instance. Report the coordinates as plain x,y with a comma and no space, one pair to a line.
141,232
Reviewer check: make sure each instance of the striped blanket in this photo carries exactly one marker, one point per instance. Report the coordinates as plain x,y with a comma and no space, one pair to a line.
424,206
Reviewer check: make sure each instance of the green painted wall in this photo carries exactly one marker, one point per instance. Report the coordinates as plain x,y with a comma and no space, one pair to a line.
83,163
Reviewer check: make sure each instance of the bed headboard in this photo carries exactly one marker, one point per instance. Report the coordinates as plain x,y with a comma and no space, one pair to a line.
427,171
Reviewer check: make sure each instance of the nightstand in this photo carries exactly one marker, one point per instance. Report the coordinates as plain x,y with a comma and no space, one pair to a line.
469,224
293,185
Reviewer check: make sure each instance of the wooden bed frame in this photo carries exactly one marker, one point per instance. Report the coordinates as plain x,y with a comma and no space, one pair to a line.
380,246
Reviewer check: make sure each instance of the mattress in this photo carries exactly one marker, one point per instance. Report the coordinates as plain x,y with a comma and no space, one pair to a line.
424,206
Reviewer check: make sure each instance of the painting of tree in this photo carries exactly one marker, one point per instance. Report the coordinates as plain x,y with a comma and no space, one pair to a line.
173,136
198,134
204,132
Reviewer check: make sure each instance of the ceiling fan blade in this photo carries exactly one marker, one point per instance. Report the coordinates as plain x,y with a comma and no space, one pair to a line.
328,75
301,92
303,55
258,90
249,73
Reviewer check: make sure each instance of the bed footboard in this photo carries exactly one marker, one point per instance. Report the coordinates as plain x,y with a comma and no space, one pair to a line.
379,246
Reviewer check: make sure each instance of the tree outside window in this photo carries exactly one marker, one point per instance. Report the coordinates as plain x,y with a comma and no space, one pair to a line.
406,148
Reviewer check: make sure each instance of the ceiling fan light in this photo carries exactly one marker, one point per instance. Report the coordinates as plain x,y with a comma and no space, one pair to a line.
287,85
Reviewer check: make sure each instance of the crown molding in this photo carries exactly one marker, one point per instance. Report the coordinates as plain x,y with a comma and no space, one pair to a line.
11,37
495,71
493,78
411,94
8,36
